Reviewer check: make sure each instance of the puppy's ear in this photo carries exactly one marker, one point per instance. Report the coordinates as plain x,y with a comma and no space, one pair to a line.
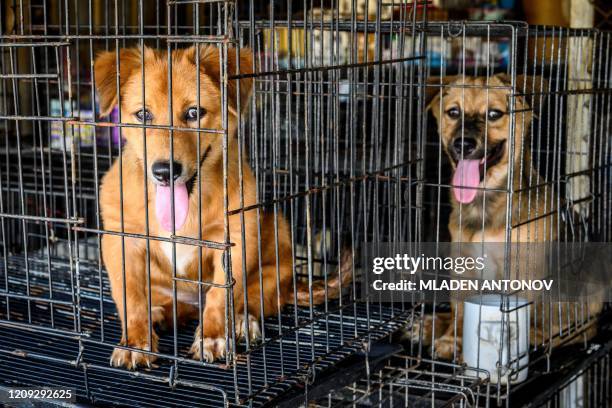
105,68
237,64
529,87
526,84
535,87
433,90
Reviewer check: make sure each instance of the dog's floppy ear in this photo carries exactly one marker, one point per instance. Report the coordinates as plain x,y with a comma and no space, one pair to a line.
210,65
526,84
529,87
105,68
434,89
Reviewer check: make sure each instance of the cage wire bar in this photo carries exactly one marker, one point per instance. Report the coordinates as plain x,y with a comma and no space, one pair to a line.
337,135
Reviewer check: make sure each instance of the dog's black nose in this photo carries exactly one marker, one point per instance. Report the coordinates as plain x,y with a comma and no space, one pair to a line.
161,171
465,145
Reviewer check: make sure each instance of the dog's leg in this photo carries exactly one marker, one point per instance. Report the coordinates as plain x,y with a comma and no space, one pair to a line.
131,301
210,338
448,346
427,328
268,298
212,344
250,324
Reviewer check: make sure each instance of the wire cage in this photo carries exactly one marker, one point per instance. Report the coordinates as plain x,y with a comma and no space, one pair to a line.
314,182
336,147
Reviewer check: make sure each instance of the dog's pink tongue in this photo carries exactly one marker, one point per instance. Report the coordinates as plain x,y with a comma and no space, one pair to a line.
467,174
163,206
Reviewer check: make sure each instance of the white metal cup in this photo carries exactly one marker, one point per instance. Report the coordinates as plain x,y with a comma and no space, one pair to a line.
494,340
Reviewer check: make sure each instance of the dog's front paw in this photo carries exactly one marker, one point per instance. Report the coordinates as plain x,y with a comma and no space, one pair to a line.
208,349
426,329
421,331
133,359
254,330
446,347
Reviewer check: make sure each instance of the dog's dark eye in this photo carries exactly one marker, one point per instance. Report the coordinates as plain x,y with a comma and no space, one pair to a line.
143,115
192,113
494,114
453,113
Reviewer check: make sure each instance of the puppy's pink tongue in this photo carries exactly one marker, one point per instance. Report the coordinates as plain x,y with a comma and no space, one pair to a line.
163,206
467,174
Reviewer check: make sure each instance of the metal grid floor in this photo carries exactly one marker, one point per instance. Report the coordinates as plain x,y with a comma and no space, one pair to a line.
406,381
35,350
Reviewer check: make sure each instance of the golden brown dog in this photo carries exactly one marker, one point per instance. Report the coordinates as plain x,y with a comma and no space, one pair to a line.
155,169
474,127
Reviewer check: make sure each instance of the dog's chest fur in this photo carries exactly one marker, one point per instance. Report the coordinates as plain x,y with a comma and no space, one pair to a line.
185,254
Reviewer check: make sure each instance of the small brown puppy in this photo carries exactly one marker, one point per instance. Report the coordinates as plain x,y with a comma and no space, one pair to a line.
129,281
474,127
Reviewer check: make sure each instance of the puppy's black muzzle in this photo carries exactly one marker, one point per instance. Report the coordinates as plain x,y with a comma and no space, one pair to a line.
468,139
161,171
464,146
